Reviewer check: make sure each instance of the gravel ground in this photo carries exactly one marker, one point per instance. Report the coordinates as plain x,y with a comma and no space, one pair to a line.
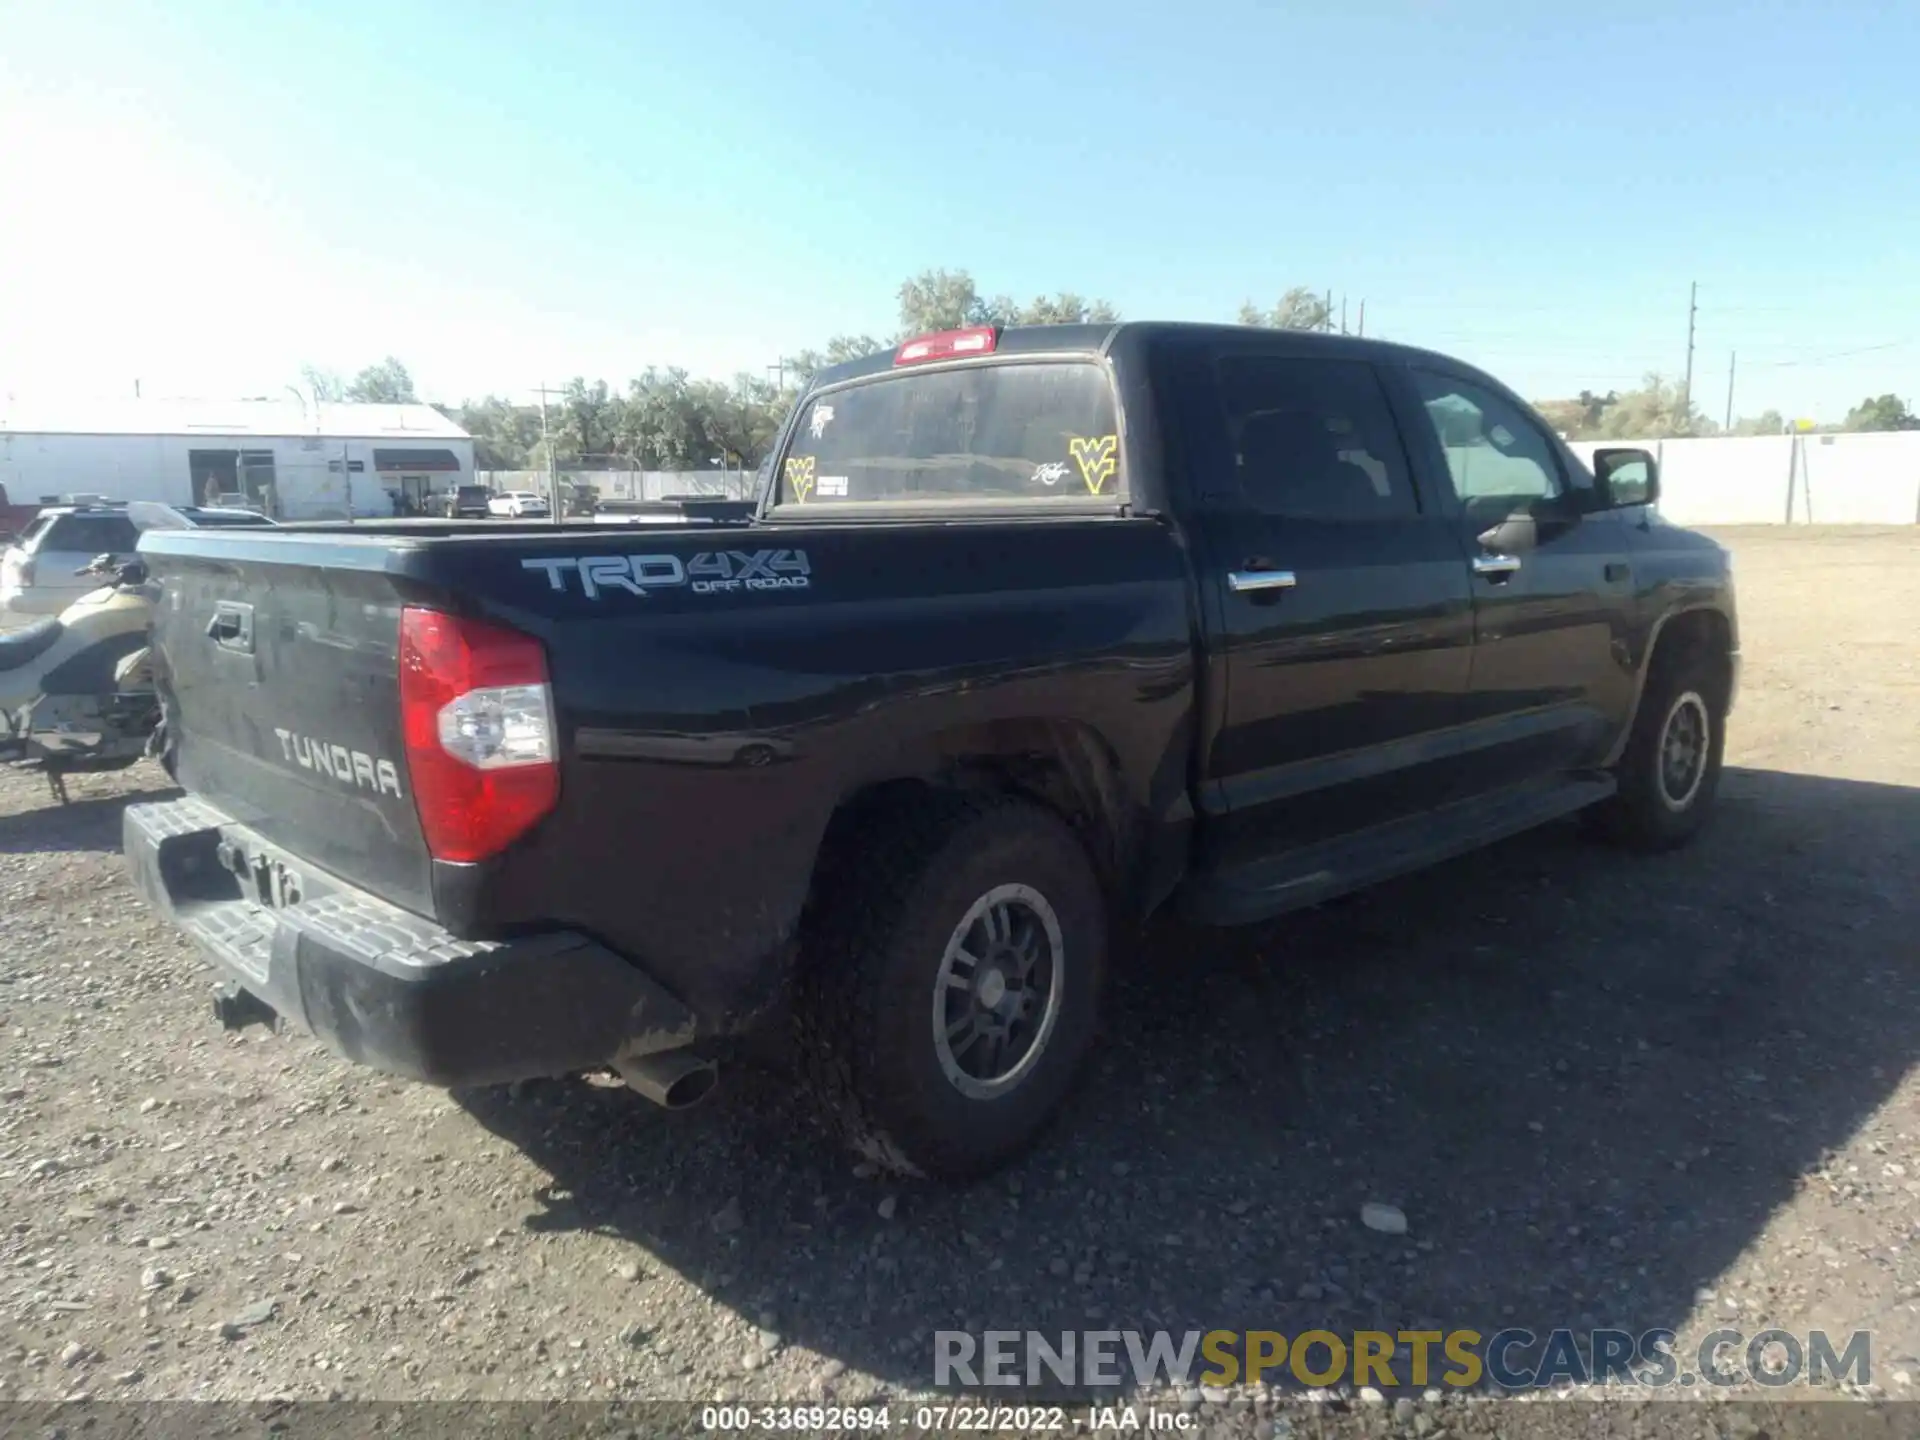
1604,1090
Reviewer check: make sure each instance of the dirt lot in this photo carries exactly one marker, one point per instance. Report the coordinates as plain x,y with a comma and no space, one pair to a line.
1603,1089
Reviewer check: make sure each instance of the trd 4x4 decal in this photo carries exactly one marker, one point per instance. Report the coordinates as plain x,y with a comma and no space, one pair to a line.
710,572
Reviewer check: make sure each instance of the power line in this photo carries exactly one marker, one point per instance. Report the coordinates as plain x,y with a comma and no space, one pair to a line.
1840,354
546,443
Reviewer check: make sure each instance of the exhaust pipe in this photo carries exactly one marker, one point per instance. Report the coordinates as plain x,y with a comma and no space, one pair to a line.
673,1079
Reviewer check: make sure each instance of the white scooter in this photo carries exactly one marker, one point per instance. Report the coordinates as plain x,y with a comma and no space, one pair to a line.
76,692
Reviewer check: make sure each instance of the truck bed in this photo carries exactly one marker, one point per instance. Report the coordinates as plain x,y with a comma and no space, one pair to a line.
718,691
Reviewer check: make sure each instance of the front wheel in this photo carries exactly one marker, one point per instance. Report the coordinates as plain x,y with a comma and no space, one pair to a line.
952,983
1670,771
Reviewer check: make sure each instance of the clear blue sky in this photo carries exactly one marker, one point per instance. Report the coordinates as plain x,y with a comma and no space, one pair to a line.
208,195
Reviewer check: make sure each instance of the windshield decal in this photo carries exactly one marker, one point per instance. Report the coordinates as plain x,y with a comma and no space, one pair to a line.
818,421
1097,458
800,476
1051,473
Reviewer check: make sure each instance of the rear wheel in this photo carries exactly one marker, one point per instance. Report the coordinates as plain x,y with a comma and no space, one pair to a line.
952,983
1670,771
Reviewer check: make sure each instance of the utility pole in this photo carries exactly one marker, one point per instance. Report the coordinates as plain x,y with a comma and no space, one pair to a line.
546,444
1686,386
1343,314
779,369
1731,357
1363,320
1327,323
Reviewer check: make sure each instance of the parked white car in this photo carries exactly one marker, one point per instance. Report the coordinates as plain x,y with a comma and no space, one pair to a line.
37,573
517,504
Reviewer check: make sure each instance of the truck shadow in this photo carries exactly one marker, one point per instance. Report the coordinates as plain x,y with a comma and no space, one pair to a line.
1589,1079
89,824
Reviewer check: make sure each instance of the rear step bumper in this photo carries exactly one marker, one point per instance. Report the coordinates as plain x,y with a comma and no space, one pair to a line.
384,987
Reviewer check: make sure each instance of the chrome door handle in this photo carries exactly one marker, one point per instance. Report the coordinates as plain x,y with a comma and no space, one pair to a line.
1241,581
1496,567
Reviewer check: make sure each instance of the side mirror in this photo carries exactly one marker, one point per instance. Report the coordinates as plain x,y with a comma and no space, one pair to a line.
1626,477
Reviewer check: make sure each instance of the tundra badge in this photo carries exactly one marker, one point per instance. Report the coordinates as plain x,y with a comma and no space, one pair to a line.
349,767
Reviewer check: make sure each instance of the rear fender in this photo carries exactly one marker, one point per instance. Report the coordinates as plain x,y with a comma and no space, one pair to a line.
1066,765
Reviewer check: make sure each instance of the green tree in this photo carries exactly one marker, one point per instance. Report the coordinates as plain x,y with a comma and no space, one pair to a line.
740,420
1653,412
1565,416
939,300
1767,422
949,299
1881,412
1581,418
323,384
661,424
841,348
388,382
1298,309
1593,408
1064,308
584,426
505,435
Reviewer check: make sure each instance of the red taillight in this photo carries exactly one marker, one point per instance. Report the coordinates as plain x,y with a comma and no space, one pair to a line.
476,711
947,345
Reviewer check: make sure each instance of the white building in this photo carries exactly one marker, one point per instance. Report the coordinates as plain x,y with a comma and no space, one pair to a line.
297,461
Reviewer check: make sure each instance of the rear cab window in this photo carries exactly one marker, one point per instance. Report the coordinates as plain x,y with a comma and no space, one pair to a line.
1001,433
90,534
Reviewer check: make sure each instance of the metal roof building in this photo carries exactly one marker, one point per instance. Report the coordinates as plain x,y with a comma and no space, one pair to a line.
295,460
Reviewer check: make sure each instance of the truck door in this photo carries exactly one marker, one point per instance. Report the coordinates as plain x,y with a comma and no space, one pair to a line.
1552,581
1339,603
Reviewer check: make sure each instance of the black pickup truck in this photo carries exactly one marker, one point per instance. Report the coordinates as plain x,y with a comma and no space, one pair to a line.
1032,632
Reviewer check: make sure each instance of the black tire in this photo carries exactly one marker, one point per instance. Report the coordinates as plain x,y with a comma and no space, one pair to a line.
897,889
1661,807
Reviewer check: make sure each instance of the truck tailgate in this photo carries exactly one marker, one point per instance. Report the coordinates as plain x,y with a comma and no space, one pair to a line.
278,662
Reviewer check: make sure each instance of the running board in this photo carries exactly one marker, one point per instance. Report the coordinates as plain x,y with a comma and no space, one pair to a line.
1307,876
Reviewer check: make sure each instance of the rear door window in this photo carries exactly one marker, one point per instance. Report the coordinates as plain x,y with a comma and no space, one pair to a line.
1314,439
983,433
91,535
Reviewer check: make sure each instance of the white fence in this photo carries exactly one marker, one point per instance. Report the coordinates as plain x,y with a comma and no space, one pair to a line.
630,484
1785,479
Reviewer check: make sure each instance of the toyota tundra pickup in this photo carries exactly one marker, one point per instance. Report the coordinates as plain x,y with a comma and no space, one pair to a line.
1031,633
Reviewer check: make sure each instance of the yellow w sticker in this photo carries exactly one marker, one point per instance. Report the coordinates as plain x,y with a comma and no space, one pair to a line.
1097,458
800,476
